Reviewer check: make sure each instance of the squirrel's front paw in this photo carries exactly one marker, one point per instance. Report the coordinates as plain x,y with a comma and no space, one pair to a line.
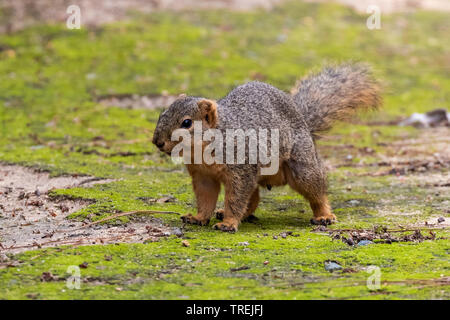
226,226
189,218
324,220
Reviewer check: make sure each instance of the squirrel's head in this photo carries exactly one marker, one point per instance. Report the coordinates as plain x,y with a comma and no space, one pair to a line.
181,115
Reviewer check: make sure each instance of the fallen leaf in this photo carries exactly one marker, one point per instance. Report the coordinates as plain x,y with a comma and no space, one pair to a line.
185,243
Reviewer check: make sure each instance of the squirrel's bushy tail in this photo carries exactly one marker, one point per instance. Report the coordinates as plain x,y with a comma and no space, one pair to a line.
336,93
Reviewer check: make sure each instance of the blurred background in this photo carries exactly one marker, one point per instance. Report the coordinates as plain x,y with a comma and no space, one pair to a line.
22,13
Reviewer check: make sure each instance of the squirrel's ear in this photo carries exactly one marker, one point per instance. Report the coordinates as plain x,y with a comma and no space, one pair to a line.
208,109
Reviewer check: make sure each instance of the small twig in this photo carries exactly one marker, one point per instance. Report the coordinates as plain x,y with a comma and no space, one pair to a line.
118,215
89,180
122,214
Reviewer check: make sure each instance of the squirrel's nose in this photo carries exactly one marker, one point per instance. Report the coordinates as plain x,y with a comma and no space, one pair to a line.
160,144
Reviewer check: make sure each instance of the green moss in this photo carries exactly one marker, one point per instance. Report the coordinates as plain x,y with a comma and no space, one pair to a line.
167,270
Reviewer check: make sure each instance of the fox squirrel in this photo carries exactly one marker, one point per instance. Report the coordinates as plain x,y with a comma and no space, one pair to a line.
333,94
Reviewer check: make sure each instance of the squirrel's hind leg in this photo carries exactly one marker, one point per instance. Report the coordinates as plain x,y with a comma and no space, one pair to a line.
239,189
306,175
252,205
249,215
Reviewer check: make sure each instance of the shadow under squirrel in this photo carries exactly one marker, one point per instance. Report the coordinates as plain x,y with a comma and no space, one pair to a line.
335,93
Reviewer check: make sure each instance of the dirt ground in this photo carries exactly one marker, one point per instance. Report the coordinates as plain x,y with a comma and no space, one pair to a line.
22,13
30,218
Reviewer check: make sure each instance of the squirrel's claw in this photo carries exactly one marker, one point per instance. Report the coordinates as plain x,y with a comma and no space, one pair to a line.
220,212
324,221
226,227
189,218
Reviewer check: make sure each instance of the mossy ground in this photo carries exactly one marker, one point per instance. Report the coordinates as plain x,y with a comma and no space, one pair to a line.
50,78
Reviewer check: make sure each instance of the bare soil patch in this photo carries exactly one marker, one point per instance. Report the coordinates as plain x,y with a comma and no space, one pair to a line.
31,219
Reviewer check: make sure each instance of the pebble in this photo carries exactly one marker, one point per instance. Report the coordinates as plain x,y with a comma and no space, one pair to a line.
332,266
177,231
364,243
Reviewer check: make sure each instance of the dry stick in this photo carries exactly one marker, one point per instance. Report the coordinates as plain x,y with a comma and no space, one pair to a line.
418,229
122,214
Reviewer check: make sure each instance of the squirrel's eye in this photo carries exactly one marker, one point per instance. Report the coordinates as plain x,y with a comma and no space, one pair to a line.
186,123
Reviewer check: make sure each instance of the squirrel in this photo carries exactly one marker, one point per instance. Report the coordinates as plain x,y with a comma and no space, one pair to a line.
320,100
